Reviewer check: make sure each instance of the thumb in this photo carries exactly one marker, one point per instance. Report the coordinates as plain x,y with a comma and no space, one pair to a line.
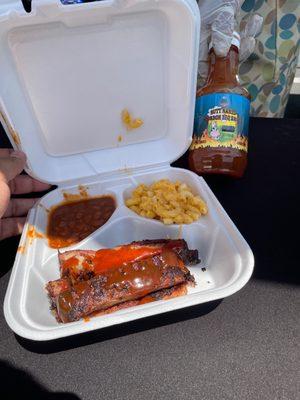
12,165
252,28
247,48
222,30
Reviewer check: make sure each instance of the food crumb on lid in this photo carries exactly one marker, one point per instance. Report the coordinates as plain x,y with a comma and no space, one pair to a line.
130,122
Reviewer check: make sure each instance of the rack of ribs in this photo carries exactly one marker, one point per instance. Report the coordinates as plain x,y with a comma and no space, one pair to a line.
110,279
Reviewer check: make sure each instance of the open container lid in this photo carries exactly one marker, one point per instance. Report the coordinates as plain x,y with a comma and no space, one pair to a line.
68,71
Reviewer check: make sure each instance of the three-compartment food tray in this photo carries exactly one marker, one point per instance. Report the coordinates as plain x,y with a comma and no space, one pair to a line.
225,256
67,74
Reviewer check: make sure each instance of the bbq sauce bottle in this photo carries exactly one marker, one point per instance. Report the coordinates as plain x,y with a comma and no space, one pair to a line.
220,140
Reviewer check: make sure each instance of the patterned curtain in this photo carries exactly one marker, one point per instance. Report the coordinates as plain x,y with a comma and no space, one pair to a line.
269,72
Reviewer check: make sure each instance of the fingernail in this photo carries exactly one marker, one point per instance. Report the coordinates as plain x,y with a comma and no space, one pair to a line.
17,154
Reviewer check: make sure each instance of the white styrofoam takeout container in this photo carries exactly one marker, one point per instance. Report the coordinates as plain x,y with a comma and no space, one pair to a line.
67,72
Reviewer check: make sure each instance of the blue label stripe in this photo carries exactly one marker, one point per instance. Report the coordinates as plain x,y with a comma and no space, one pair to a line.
226,105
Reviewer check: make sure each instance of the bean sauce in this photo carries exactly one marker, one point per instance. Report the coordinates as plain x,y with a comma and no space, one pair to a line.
72,221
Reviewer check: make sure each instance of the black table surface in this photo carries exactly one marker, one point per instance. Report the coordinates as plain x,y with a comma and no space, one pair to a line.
243,347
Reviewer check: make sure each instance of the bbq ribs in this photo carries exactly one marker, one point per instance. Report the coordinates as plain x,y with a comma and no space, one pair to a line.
106,280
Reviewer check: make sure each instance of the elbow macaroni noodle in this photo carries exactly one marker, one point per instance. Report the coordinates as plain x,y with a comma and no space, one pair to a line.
169,202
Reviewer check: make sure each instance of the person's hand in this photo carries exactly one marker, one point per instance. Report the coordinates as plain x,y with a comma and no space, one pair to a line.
218,22
13,211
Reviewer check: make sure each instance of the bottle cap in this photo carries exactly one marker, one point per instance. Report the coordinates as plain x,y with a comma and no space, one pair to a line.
235,41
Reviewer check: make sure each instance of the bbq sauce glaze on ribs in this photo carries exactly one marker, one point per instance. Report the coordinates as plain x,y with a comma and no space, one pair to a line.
110,279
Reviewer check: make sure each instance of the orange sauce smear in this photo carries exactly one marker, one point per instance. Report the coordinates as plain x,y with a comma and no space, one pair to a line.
11,130
106,259
32,234
16,138
21,249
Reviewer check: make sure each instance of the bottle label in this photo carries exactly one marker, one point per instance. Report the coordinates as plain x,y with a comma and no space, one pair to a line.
221,120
